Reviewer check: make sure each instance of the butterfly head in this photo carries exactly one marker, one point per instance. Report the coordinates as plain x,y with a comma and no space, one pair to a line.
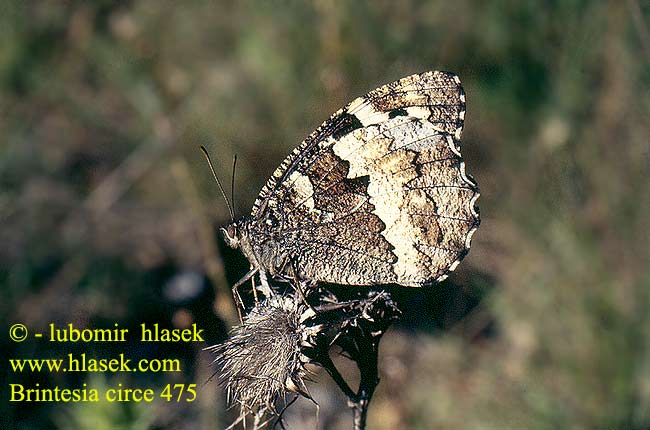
232,234
237,236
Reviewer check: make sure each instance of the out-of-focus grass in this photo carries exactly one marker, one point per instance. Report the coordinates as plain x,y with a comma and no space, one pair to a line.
104,198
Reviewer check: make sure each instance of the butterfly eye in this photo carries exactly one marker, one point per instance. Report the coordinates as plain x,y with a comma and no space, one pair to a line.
232,231
231,235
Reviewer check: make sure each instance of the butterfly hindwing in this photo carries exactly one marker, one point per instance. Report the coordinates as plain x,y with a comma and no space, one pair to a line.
378,194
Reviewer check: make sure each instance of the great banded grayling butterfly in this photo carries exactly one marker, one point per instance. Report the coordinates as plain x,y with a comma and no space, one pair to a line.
378,194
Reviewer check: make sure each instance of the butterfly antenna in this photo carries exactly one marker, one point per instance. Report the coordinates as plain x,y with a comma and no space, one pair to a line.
214,174
232,181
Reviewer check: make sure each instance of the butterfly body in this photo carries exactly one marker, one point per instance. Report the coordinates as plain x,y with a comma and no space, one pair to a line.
377,195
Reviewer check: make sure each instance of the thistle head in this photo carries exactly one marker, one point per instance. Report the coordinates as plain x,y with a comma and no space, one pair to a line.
264,358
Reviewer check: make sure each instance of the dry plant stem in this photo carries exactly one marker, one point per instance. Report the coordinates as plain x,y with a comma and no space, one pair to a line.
331,369
369,378
366,359
358,337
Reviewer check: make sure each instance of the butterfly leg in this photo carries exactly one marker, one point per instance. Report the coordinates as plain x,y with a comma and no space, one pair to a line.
257,300
298,286
239,303
265,288
235,290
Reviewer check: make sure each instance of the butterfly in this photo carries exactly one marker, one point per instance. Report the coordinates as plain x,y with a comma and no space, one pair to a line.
378,194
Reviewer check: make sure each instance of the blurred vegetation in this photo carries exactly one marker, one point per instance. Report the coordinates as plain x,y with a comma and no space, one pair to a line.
108,213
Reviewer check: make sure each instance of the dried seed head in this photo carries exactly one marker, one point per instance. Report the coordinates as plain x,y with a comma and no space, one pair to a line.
263,359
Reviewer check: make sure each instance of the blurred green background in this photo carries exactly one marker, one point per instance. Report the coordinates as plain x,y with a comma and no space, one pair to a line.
108,212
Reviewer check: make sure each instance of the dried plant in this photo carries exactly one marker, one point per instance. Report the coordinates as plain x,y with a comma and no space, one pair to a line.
265,357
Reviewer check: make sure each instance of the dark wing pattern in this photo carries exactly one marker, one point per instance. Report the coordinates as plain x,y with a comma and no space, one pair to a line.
378,194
